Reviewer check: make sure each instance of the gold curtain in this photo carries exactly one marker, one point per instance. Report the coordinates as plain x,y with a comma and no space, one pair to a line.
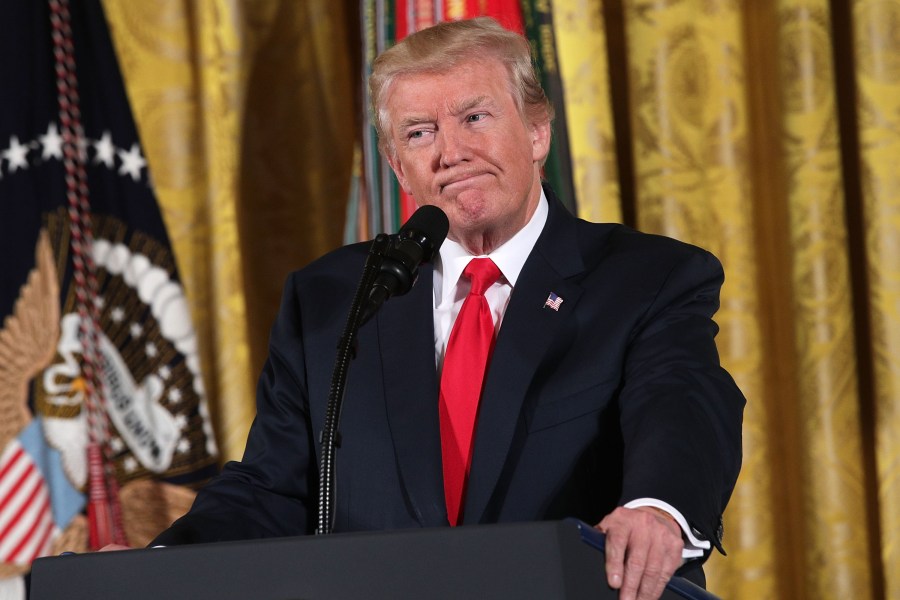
246,114
767,131
876,31
581,44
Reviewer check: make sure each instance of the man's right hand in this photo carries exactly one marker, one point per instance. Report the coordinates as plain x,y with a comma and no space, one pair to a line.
643,550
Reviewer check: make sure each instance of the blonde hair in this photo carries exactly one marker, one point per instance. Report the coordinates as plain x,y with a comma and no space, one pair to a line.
447,45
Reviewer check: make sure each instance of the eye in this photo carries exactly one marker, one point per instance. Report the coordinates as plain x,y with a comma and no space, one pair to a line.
417,135
476,117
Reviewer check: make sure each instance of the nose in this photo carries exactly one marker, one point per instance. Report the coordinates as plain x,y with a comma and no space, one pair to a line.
452,146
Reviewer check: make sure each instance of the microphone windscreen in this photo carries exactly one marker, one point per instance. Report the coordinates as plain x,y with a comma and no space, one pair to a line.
428,226
416,243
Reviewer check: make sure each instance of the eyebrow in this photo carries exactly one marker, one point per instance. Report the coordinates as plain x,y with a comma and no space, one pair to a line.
455,109
410,122
469,104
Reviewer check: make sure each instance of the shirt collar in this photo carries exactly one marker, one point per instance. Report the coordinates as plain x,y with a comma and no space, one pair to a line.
509,257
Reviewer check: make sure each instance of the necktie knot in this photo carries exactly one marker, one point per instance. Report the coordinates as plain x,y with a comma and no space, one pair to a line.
482,272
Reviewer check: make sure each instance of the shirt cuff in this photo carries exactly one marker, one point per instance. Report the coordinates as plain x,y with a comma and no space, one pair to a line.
693,546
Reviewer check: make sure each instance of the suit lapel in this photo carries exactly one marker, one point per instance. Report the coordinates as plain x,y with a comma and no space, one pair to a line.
527,331
406,339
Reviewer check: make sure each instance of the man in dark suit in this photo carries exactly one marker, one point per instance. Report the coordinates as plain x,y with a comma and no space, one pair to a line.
602,398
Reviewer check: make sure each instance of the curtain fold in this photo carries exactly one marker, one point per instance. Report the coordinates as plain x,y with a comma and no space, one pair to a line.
182,68
831,467
877,58
582,46
251,183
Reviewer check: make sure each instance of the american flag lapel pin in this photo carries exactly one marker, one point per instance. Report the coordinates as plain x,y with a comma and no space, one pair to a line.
553,301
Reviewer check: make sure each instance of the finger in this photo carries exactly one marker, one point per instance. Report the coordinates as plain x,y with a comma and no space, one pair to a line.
658,570
635,567
616,542
664,558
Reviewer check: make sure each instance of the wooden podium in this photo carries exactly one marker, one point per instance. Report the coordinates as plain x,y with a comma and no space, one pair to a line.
541,561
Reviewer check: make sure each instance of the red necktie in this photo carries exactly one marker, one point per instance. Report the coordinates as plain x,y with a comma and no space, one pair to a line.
465,364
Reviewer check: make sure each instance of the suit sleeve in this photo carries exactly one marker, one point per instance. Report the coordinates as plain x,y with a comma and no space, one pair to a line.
272,491
680,411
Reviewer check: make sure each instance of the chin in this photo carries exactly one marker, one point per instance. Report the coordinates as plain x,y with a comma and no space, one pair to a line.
472,208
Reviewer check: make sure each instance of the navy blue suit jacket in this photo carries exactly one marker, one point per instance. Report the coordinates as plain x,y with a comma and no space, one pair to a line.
617,395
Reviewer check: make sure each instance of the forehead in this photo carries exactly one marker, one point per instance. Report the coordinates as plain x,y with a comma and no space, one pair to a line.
461,85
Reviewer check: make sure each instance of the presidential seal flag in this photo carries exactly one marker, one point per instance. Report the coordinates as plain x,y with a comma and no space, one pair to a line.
103,414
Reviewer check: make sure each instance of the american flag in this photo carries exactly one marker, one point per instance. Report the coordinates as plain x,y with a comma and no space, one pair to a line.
553,301
26,523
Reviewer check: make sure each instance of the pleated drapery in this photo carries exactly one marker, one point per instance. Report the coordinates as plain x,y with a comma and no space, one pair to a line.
246,112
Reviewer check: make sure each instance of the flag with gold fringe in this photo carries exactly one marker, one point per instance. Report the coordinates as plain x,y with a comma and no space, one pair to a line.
103,414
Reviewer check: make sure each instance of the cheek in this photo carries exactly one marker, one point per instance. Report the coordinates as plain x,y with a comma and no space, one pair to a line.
519,157
523,171
412,181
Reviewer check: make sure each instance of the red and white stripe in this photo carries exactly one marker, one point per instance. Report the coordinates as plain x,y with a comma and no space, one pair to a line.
26,521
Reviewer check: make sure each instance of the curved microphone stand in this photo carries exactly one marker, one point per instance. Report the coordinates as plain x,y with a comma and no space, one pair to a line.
330,438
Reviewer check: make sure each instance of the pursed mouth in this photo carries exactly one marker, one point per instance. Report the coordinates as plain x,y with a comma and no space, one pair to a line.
461,181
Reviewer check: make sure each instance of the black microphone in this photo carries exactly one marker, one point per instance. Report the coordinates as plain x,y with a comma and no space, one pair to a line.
415,244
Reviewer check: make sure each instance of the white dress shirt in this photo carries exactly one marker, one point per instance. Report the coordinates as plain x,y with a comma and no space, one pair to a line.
451,289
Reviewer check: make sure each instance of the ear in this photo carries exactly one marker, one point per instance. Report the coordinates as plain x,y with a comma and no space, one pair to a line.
397,167
540,140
